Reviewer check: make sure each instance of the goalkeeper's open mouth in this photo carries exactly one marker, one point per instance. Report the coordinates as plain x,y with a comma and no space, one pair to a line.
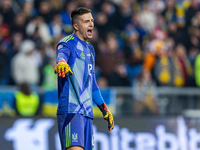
89,32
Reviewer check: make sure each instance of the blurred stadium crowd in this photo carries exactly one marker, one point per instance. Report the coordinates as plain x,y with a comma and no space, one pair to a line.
138,43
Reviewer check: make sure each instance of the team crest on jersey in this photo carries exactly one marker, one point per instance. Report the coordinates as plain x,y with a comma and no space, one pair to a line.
88,54
75,137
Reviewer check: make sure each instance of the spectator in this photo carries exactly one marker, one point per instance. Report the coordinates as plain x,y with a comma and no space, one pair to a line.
19,24
160,30
192,55
14,46
55,26
135,22
49,77
41,57
147,19
38,25
88,4
56,5
119,76
156,6
102,24
155,48
12,49
173,30
45,11
179,35
26,102
194,41
35,37
170,11
183,68
7,12
24,66
123,14
145,95
109,56
163,69
4,30
132,49
65,15
192,58
4,60
133,52
192,10
51,48
109,9
28,10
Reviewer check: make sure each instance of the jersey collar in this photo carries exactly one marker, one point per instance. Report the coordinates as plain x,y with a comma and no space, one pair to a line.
84,42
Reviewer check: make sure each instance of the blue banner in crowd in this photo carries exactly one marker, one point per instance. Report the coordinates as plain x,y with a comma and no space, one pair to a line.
7,104
49,102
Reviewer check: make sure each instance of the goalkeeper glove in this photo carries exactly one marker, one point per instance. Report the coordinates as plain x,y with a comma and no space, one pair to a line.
107,115
63,69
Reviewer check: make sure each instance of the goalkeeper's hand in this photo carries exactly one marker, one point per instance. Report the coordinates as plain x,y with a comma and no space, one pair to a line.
107,115
63,69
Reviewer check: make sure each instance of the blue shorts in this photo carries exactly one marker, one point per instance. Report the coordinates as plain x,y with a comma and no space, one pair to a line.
75,130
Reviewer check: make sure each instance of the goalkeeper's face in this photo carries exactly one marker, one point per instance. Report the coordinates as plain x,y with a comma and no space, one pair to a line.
85,26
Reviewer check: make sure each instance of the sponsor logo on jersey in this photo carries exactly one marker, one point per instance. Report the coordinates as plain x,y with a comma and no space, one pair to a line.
82,54
60,46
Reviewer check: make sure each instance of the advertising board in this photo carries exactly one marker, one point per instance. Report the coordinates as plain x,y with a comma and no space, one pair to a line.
130,133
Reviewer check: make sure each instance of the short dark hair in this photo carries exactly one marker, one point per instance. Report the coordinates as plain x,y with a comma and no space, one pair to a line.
78,12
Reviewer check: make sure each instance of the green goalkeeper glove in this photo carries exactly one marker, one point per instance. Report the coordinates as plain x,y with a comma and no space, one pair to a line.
107,115
63,69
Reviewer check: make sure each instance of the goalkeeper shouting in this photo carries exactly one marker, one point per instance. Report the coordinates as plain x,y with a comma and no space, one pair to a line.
77,87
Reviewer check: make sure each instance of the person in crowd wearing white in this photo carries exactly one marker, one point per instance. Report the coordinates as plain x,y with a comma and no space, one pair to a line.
23,66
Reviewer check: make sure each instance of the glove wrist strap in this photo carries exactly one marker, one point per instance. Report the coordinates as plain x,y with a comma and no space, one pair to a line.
61,61
103,108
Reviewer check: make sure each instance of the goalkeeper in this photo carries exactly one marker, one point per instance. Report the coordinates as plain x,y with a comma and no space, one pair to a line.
77,87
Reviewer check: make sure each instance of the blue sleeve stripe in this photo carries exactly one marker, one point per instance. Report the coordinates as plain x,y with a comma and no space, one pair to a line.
59,58
97,97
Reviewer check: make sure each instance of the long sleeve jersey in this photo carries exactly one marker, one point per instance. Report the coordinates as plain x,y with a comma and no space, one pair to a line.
77,92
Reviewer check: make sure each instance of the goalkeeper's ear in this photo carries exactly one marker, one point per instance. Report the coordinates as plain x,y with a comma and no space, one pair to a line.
75,27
